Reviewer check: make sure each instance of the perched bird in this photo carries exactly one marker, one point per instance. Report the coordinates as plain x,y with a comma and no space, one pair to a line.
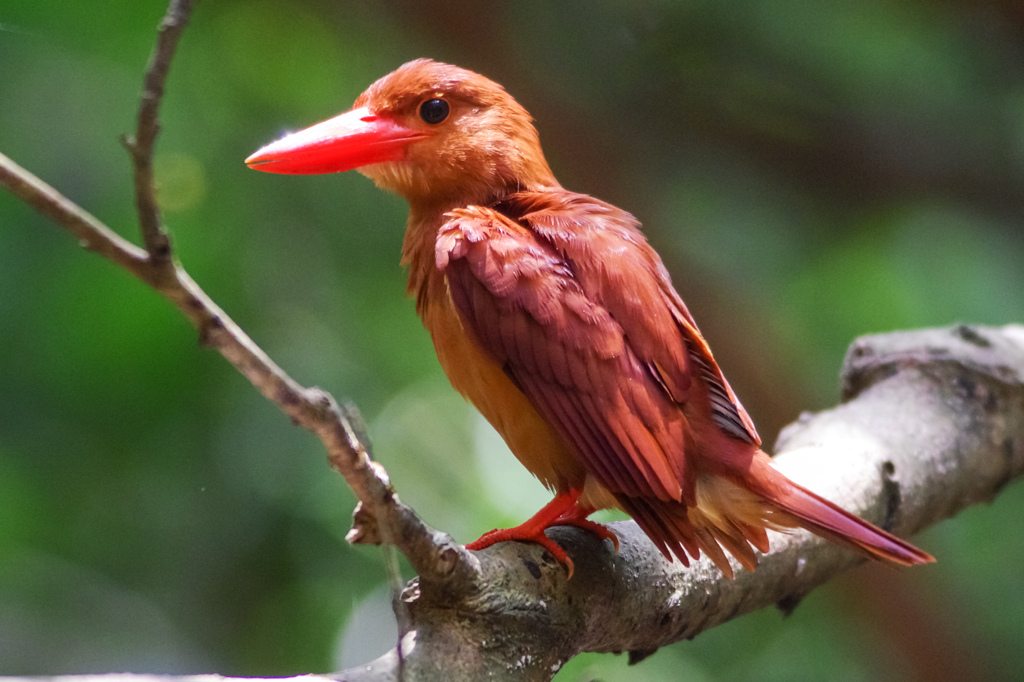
550,312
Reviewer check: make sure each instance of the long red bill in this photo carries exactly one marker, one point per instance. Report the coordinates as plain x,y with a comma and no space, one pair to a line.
353,139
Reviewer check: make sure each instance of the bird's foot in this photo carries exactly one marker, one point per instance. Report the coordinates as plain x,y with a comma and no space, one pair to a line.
505,534
578,517
563,510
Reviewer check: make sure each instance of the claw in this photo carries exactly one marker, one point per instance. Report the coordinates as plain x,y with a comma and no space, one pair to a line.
599,529
563,510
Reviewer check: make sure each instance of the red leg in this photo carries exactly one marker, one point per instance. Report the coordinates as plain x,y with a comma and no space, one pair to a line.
563,510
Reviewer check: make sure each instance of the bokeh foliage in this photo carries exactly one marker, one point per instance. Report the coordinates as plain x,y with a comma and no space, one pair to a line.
809,171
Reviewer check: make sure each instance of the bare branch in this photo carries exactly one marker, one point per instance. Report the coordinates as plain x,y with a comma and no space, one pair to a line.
380,514
934,423
91,233
310,408
142,144
128,677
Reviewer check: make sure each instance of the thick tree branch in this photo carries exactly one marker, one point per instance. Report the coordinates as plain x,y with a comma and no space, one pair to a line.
933,423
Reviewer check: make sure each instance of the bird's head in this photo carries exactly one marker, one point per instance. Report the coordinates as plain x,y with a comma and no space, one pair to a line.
428,131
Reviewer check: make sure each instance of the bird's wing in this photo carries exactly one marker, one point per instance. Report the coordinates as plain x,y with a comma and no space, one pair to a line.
616,266
607,358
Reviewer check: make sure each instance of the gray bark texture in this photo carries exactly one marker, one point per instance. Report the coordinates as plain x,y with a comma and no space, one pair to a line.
931,422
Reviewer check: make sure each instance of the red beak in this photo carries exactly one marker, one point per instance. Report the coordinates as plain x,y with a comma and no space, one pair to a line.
354,139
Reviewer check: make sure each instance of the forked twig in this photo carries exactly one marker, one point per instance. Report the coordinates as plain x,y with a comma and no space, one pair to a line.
311,408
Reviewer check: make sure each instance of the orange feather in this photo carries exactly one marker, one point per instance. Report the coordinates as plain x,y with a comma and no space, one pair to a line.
550,312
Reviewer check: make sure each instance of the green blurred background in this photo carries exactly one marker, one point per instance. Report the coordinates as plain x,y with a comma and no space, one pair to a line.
810,172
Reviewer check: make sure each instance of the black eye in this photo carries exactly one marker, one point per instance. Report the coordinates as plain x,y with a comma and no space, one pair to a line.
434,111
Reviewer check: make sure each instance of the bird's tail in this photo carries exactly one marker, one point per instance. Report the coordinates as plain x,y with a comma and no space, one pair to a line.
733,515
821,517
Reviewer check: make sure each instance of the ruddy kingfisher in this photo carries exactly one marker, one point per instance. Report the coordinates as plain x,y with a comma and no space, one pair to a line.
551,313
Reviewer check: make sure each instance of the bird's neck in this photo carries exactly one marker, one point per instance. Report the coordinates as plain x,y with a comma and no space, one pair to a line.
426,283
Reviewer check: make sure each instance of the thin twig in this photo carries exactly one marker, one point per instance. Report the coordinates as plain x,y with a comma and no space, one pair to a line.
91,233
431,553
142,143
311,408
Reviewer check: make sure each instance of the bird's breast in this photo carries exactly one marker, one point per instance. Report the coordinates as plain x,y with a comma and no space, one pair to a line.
482,381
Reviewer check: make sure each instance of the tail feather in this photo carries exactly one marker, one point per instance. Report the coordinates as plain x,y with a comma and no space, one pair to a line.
734,541
732,516
821,517
706,537
662,529
755,535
